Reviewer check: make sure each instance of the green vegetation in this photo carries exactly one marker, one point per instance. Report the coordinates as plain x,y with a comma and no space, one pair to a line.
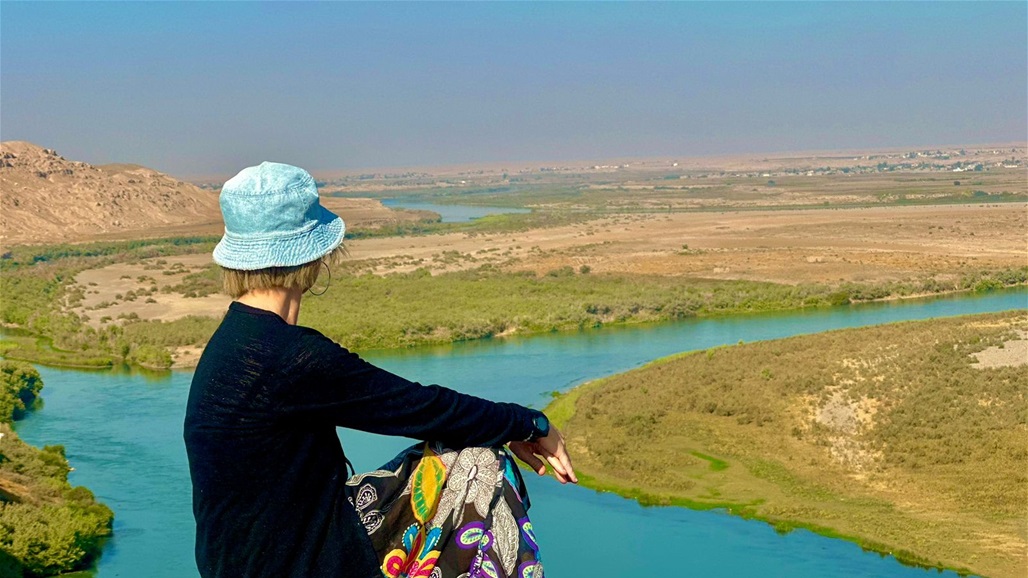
365,311
118,251
19,388
47,527
34,284
893,436
40,349
199,284
368,311
627,191
716,465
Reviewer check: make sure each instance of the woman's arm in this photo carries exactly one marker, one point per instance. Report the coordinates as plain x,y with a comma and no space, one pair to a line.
333,384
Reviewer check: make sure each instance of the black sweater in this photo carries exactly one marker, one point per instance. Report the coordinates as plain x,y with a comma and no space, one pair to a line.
268,470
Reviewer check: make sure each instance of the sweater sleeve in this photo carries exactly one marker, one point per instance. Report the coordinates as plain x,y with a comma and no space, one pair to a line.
334,384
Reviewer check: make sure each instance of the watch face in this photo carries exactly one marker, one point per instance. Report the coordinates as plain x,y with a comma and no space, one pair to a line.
542,425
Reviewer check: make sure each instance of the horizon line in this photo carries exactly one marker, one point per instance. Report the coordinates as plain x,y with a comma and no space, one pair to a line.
442,168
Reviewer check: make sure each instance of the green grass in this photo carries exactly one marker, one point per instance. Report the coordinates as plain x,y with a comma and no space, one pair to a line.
935,474
716,465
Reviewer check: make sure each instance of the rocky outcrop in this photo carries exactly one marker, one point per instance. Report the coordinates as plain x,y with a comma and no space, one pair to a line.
45,198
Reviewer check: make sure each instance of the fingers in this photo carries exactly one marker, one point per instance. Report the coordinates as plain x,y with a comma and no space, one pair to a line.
552,448
565,461
561,464
524,452
558,469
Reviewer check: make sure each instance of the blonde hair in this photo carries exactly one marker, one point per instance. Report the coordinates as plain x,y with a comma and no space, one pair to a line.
237,283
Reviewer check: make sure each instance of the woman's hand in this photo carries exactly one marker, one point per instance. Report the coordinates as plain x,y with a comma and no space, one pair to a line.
550,448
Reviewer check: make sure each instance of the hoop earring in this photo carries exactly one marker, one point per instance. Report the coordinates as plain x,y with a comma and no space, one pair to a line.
327,285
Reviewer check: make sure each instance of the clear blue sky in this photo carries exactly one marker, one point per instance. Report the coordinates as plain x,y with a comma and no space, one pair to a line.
207,88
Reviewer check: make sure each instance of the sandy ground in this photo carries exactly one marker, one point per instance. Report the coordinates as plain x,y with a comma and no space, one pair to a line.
785,246
121,278
102,307
1013,353
104,290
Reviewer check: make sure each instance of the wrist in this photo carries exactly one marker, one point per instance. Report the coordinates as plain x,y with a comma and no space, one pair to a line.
540,427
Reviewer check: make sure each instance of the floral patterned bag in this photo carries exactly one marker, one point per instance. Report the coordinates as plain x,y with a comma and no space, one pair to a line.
435,512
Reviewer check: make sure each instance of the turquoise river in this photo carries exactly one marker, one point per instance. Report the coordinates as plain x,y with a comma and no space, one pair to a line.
123,434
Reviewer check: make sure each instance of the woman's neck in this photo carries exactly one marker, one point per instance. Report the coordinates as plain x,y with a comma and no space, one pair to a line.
282,301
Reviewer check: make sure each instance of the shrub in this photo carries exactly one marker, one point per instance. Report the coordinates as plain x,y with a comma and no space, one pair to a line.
20,384
52,539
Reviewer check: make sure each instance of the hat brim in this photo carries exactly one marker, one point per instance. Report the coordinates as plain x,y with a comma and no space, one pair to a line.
249,253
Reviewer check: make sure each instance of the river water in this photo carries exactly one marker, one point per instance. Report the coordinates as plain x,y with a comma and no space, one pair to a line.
451,213
123,434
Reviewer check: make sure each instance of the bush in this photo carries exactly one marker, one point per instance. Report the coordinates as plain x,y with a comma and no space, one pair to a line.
565,271
150,356
52,539
46,526
20,385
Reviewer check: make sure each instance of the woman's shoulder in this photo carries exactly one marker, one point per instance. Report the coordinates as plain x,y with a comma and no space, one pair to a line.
312,337
310,345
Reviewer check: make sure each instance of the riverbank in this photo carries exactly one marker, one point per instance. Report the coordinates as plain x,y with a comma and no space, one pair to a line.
369,312
894,437
47,527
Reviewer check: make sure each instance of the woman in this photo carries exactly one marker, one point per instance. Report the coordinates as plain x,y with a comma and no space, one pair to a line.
271,496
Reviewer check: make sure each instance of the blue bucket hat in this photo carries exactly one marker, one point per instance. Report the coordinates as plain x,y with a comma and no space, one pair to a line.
273,219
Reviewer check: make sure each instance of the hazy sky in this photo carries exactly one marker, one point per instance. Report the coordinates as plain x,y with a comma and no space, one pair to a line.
207,88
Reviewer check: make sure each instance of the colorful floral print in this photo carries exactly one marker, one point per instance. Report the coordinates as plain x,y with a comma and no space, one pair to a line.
528,534
474,479
418,557
434,512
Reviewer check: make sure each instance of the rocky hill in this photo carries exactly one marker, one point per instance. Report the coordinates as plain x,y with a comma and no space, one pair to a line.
45,198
